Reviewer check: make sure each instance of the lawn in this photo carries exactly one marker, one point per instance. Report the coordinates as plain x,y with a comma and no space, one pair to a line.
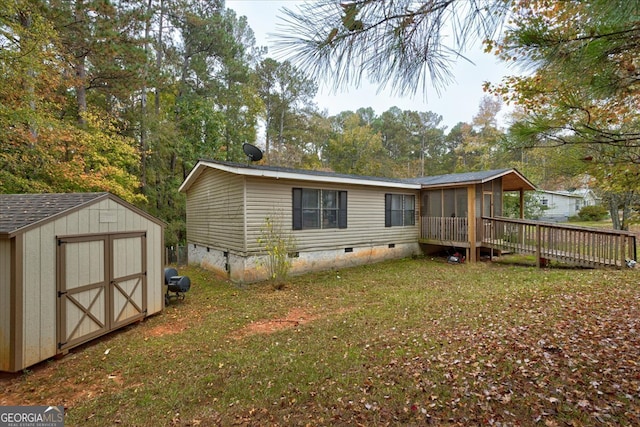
415,341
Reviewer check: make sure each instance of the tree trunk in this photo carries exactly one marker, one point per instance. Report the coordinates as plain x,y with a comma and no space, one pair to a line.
159,55
281,130
80,69
143,105
26,22
614,212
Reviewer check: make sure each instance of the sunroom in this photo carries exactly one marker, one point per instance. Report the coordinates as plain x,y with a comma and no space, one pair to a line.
453,207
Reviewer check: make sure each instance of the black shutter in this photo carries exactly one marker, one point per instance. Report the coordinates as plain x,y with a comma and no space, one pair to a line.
387,210
342,209
297,208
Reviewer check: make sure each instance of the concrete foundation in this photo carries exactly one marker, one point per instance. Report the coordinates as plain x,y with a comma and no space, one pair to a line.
253,267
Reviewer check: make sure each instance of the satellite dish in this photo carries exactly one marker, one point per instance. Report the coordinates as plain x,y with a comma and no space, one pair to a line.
253,152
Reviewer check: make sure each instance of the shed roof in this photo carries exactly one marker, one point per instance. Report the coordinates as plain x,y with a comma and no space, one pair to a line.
21,211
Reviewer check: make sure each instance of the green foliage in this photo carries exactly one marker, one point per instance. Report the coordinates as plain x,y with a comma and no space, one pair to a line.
278,243
533,209
399,44
593,213
562,105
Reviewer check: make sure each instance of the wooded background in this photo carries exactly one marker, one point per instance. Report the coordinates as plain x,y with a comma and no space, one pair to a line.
125,96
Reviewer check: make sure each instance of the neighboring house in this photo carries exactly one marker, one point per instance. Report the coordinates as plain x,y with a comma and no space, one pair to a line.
559,206
337,220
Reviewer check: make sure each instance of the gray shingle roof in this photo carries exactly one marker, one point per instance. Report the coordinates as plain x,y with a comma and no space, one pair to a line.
457,178
21,210
512,179
306,171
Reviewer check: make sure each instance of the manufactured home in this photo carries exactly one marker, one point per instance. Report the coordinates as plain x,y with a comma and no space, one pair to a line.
336,220
73,267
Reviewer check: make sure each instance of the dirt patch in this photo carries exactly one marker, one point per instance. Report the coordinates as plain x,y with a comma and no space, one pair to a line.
162,330
295,317
24,389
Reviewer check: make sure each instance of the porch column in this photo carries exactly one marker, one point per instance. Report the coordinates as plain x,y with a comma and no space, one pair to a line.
521,203
471,220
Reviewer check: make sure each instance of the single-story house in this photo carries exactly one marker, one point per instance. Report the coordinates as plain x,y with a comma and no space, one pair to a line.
559,206
336,220
73,267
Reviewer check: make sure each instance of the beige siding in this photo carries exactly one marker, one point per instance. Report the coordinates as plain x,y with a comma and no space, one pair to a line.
5,299
85,266
365,216
39,264
155,269
39,303
215,212
100,219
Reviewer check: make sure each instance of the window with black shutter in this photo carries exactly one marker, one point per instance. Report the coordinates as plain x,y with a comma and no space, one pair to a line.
399,210
319,209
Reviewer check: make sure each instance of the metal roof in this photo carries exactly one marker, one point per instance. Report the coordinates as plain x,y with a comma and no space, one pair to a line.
18,211
512,179
289,173
455,178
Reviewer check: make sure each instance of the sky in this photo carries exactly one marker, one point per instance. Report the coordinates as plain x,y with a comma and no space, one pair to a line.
458,102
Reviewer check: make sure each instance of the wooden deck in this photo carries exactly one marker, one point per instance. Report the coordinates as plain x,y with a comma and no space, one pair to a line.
589,247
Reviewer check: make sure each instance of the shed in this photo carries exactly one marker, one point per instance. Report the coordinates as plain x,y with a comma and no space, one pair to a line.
73,267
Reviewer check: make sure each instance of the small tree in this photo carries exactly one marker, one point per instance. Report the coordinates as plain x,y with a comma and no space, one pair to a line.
533,209
278,244
593,213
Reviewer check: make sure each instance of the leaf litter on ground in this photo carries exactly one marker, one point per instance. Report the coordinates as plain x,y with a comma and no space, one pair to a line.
404,342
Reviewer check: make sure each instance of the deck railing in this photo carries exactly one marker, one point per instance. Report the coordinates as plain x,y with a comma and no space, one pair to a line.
577,245
447,229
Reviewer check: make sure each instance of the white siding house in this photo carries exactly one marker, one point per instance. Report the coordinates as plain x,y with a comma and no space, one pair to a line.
561,205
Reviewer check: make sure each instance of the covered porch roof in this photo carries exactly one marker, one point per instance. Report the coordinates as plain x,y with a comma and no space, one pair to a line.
512,180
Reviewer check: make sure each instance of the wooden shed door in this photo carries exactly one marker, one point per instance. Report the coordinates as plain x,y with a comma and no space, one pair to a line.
82,289
101,285
129,279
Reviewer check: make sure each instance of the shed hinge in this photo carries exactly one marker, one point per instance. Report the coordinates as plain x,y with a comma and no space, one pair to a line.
60,242
60,293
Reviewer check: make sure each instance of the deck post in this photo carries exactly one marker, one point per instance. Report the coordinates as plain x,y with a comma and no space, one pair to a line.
538,246
472,256
521,203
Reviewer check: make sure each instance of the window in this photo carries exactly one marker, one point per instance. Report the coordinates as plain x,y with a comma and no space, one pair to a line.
319,209
400,209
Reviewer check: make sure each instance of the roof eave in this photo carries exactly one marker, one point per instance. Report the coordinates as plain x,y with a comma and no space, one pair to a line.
197,170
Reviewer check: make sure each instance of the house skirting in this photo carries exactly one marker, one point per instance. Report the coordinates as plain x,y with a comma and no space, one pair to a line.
247,268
